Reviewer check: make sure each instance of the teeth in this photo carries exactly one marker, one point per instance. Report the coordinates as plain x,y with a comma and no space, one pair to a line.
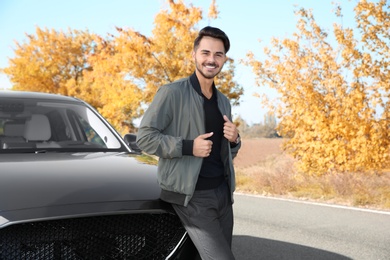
210,67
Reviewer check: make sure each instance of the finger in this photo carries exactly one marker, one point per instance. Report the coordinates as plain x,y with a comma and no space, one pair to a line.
228,126
226,118
228,136
206,135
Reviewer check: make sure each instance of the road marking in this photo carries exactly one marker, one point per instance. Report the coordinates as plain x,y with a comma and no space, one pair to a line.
317,203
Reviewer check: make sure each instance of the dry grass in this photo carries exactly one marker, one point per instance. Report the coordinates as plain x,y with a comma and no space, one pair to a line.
262,168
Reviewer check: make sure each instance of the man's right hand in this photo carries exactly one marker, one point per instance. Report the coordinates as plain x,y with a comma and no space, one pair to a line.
202,146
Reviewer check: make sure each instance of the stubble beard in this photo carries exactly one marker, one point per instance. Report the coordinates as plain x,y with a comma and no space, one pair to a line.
207,76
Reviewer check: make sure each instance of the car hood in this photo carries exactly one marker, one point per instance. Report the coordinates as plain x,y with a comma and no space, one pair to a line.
45,185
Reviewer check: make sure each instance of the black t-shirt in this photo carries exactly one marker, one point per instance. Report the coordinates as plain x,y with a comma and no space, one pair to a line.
212,171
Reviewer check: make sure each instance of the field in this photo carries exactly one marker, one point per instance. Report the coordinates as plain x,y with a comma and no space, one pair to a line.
254,151
263,168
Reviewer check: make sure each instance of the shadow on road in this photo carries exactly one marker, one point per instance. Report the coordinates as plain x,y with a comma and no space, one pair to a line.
249,248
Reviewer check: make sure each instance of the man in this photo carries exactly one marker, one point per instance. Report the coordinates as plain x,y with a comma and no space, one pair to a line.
188,126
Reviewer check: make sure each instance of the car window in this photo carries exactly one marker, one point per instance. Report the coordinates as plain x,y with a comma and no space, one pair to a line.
31,124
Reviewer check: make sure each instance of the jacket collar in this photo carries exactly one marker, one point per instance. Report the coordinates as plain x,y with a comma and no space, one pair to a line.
195,84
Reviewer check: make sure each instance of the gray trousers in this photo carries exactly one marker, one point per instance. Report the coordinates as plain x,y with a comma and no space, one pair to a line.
208,219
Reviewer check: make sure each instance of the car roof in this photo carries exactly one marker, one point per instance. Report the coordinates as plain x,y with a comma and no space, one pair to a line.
36,95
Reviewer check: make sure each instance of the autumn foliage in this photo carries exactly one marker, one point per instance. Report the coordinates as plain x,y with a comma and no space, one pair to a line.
49,60
334,100
119,73
334,87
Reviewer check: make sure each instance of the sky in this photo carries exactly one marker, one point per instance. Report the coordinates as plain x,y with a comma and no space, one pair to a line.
246,22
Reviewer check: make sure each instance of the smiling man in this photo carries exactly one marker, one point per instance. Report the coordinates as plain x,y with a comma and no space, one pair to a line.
189,127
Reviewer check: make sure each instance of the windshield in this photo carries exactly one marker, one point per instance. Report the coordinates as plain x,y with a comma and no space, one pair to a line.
32,125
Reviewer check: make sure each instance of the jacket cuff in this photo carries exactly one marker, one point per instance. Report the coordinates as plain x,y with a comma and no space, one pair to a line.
232,145
188,146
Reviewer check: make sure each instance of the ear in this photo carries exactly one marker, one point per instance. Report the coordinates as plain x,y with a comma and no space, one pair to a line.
193,55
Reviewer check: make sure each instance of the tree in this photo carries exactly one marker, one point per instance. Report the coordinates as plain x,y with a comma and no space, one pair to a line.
49,59
118,74
331,98
263,130
141,64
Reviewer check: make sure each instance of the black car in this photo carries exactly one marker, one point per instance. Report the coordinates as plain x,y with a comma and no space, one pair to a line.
72,188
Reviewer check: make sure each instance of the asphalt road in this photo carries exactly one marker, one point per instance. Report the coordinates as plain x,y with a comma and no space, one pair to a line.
268,228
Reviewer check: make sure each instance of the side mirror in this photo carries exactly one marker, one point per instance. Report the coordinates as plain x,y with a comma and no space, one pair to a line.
130,140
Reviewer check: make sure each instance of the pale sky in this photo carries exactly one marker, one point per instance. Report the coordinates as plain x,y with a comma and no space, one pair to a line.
245,22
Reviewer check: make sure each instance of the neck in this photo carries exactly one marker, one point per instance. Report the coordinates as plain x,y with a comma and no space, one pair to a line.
206,85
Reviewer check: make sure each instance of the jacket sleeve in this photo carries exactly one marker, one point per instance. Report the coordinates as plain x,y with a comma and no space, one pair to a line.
234,149
233,146
150,137
227,110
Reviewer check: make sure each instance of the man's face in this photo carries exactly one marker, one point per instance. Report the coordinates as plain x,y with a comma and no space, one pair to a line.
209,57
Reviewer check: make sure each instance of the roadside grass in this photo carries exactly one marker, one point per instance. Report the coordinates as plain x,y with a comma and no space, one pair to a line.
275,176
271,173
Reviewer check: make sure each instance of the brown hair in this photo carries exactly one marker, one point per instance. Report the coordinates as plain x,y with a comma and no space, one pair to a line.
214,33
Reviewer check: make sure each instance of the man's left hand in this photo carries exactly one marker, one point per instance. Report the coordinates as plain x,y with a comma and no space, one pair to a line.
230,130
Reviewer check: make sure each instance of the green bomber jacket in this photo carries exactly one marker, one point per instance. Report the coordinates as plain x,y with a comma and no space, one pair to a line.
175,115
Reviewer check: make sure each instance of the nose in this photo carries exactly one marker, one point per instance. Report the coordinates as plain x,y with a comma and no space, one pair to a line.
211,58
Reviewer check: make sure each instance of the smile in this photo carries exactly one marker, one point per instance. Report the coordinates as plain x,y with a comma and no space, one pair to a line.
211,66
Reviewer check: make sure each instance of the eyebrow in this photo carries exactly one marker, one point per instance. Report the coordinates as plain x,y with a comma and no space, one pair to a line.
218,52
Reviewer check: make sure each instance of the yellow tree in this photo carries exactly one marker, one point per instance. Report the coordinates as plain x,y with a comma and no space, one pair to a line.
334,101
49,59
108,86
130,66
118,74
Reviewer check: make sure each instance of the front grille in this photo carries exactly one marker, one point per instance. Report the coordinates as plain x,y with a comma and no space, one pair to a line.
137,236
